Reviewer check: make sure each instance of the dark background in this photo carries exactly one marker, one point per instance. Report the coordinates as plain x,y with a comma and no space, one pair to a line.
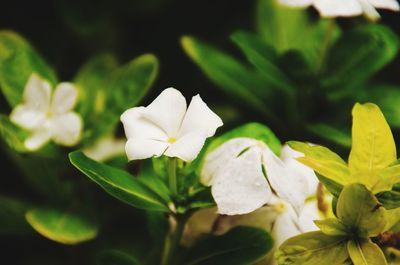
67,33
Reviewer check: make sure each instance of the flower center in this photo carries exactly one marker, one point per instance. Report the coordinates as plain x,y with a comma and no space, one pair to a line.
280,207
49,114
171,140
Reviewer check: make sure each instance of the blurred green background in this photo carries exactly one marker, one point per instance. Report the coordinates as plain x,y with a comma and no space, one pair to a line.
67,33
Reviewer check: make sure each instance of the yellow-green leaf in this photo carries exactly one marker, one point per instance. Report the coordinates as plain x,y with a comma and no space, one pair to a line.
323,161
357,207
313,248
373,146
365,253
331,227
66,227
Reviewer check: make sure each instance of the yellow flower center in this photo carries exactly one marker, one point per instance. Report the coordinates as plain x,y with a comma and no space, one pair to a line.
171,140
280,207
49,114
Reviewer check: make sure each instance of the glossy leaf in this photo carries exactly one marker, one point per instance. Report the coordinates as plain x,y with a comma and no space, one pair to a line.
125,88
18,60
63,226
235,79
357,55
241,245
357,207
119,183
365,253
313,248
323,161
373,146
261,56
12,135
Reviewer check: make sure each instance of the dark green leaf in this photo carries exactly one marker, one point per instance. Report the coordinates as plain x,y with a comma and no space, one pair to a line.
12,135
119,183
116,257
12,217
358,55
389,199
235,79
331,134
241,245
18,60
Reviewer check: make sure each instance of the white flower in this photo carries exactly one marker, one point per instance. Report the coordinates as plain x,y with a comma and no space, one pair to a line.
244,174
106,148
167,127
345,8
47,116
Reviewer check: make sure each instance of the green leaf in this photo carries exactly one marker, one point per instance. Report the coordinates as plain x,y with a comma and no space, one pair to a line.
116,257
241,245
149,178
63,226
358,208
235,79
330,185
331,134
12,135
387,97
125,88
253,130
323,161
313,248
365,253
331,227
12,217
119,183
373,146
389,199
262,57
18,60
280,25
90,80
357,55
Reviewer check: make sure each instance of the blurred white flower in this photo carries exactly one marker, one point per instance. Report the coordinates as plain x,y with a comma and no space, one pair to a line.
346,8
167,127
105,149
244,174
47,116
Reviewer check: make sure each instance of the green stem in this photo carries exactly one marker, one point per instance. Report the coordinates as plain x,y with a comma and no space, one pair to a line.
173,239
173,187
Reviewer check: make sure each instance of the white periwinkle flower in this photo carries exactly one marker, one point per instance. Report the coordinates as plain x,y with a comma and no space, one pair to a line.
345,8
46,116
244,174
167,126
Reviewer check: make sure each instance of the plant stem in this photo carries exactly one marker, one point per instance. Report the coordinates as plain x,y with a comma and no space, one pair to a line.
172,176
172,240
326,44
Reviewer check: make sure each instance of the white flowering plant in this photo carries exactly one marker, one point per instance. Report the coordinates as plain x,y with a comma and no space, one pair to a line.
49,118
113,173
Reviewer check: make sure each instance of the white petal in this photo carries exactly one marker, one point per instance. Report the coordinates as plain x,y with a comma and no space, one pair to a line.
220,157
336,8
199,118
66,129
105,149
27,118
167,111
136,126
285,183
369,10
387,4
187,147
296,169
285,226
39,138
308,215
64,98
37,93
296,3
144,148
241,187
